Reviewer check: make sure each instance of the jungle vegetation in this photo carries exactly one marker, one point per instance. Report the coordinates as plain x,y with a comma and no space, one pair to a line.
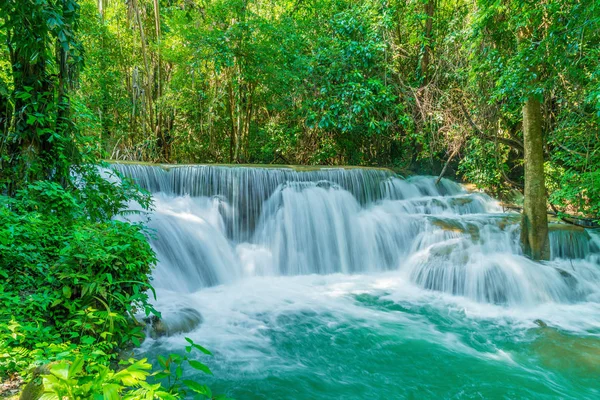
504,94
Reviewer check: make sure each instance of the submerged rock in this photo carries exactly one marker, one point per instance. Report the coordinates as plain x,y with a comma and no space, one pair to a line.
564,273
509,220
540,323
567,352
558,226
458,227
181,321
460,201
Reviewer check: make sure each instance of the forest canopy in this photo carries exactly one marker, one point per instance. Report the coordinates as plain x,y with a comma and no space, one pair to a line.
406,84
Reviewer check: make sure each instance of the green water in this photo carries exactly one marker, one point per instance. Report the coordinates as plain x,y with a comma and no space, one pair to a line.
344,338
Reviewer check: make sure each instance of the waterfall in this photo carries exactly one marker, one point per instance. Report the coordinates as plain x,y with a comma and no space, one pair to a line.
220,224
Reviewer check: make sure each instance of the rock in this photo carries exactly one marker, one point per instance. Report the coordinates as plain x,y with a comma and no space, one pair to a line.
443,250
35,387
569,279
461,201
458,227
540,323
564,273
564,352
325,185
509,220
447,225
182,321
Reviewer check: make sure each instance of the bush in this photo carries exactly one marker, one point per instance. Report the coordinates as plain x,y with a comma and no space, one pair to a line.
67,276
74,272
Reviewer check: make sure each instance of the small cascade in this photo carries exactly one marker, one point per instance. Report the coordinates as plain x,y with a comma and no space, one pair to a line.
246,189
191,243
219,224
568,241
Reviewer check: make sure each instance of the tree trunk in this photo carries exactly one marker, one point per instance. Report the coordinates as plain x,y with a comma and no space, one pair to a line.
426,59
233,138
5,111
534,220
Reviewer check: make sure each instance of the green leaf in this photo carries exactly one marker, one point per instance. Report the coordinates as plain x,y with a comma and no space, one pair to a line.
87,340
198,388
111,391
60,370
197,346
200,367
76,367
48,396
162,361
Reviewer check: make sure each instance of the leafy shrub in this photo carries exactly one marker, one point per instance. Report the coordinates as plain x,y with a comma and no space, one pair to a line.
73,276
68,275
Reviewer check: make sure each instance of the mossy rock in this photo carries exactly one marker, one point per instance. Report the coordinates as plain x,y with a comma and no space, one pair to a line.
181,321
509,220
454,226
461,201
448,225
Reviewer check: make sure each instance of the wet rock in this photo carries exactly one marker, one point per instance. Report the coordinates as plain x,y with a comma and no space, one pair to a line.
443,250
540,323
181,321
461,201
326,185
448,225
566,352
569,279
564,273
509,221
455,226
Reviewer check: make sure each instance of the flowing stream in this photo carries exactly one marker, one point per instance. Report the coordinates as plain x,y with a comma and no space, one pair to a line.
357,284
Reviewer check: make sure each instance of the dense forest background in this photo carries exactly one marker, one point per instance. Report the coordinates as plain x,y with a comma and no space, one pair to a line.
405,84
414,85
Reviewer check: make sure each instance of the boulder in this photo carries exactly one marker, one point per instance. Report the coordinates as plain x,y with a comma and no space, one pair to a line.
182,321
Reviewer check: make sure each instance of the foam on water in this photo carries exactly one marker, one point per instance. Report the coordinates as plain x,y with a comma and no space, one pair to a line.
273,255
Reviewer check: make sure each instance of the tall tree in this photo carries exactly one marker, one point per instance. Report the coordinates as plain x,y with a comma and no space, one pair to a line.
44,56
534,224
511,42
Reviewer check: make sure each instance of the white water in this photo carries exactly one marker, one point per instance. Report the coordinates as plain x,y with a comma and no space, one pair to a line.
218,225
257,251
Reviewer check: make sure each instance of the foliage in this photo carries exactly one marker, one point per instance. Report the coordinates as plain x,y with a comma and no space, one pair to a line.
72,275
390,83
76,379
44,56
74,270
72,280
75,373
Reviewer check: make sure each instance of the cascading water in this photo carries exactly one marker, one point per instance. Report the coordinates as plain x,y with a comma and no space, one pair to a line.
275,258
